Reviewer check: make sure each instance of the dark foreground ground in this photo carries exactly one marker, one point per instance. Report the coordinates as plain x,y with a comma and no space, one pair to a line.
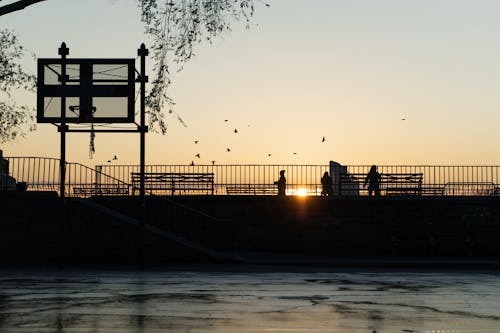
369,232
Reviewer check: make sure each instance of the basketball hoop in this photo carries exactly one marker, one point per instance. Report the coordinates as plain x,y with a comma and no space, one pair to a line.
84,115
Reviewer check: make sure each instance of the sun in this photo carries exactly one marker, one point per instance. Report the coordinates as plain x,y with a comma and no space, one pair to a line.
301,192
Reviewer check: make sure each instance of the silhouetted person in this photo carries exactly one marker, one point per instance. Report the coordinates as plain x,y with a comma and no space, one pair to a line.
373,181
281,182
326,184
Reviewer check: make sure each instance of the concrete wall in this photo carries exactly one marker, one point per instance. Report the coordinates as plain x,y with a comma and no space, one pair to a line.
454,227
387,226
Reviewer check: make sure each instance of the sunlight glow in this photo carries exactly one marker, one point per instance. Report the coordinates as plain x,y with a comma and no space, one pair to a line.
301,192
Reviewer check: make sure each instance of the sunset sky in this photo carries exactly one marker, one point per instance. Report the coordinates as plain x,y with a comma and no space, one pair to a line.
384,81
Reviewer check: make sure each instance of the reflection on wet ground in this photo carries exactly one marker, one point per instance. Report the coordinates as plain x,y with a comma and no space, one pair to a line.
193,300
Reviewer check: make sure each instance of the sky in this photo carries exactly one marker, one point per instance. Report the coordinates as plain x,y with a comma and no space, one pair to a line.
383,81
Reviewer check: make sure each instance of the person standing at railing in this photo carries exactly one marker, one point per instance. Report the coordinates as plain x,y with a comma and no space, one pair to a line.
373,181
281,182
326,185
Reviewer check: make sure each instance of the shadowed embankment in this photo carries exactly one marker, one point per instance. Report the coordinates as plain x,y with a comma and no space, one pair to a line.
385,231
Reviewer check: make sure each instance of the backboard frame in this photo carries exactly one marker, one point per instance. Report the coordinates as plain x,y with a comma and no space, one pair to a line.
88,85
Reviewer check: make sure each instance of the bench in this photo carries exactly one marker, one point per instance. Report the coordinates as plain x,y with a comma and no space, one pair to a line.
253,189
433,190
187,183
100,189
402,183
390,183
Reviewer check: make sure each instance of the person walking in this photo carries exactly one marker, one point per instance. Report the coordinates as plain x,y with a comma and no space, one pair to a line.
326,185
373,180
281,182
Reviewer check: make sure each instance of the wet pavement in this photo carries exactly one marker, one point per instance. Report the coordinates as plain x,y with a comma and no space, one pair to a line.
249,299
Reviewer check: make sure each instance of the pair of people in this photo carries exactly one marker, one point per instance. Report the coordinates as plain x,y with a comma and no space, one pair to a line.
372,180
326,182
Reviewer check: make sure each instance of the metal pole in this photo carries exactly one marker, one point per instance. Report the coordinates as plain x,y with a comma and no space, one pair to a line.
143,53
63,52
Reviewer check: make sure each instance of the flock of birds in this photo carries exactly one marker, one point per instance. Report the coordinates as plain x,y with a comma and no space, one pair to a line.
228,150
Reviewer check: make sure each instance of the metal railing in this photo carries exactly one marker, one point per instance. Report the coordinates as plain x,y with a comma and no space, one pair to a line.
42,173
443,180
301,179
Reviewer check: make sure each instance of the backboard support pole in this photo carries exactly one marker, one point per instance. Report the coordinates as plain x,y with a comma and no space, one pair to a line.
63,52
143,53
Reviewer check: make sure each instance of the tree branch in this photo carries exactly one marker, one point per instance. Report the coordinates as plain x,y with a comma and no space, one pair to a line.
18,5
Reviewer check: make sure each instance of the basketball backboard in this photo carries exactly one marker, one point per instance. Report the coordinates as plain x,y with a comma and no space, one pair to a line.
95,90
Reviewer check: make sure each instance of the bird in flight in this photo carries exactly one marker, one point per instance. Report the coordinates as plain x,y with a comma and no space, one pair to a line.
197,155
195,142
269,154
228,150
235,130
323,140
295,153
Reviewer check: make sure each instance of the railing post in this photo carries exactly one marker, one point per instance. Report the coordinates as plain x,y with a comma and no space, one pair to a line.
98,172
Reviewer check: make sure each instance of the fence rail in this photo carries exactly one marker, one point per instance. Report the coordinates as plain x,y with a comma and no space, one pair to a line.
40,173
300,178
